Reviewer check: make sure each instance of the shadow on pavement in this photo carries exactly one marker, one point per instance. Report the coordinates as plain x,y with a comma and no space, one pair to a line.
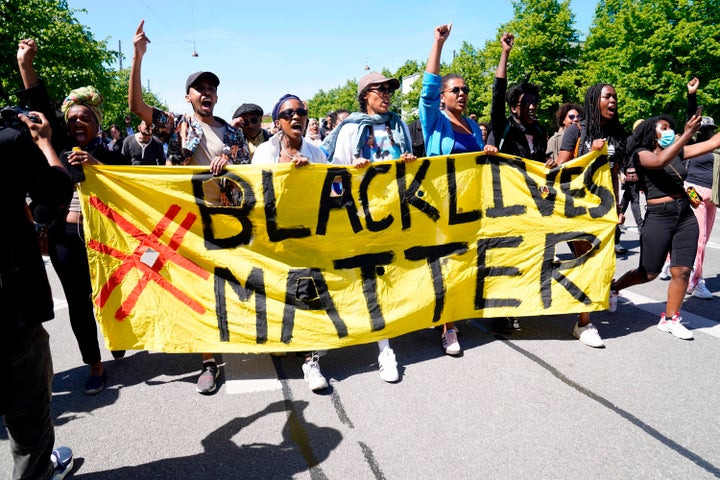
304,447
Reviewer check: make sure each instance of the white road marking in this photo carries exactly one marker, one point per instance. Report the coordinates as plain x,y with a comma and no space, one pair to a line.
693,322
249,373
60,304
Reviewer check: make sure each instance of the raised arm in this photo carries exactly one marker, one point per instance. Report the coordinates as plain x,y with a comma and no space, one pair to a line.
507,41
135,97
27,50
441,35
692,88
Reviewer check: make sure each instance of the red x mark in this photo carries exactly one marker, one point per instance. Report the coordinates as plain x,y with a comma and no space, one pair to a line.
166,253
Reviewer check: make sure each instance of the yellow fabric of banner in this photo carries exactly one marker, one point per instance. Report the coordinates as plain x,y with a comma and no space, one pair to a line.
267,259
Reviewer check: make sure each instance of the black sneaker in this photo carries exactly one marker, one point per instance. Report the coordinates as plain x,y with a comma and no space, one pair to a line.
118,354
507,325
208,375
95,383
62,460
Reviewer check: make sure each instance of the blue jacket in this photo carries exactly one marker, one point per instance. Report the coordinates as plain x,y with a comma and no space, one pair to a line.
437,129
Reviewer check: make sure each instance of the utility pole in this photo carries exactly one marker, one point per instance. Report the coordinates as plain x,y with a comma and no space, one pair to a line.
120,52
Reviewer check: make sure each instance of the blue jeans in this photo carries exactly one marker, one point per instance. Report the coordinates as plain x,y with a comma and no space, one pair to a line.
27,403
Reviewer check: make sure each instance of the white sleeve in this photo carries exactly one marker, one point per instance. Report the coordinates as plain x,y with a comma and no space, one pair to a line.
343,146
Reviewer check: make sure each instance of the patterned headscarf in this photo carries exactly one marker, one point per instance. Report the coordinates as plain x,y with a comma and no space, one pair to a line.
87,96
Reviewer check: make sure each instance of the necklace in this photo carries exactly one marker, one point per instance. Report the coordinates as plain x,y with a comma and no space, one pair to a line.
284,150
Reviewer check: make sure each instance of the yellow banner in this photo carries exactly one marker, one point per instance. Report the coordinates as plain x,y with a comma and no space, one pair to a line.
267,259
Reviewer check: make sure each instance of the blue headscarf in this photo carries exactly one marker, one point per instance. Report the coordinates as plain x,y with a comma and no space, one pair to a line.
283,99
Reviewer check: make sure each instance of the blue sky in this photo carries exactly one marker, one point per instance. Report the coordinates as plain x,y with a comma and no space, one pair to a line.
263,49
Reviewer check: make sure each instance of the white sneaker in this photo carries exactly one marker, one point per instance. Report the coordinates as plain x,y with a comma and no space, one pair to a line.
612,303
450,342
388,366
674,326
665,272
588,335
313,376
701,290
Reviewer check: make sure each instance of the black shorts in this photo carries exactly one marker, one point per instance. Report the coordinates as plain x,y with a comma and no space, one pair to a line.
669,227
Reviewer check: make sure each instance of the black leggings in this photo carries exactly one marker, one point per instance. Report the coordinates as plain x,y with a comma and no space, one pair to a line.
69,258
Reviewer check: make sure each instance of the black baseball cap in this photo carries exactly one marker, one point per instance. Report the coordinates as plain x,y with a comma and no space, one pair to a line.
197,76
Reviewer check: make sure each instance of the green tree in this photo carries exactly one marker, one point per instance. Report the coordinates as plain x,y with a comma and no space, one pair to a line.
115,101
340,97
649,50
69,55
546,53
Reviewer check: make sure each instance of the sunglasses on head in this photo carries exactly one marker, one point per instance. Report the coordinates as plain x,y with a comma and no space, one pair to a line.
457,90
290,113
383,89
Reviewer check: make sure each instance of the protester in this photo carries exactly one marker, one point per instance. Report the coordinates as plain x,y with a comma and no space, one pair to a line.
447,131
34,170
116,139
567,114
197,139
288,146
143,148
518,134
82,110
600,126
248,117
313,133
670,225
345,146
700,177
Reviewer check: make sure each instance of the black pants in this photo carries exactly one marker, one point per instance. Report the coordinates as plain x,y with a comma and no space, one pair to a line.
27,391
69,258
631,198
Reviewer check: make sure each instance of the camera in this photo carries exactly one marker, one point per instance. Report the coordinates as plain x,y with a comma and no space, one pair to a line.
9,117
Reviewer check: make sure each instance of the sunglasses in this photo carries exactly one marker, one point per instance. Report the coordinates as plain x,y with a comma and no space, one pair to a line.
457,90
383,90
290,113
572,117
252,120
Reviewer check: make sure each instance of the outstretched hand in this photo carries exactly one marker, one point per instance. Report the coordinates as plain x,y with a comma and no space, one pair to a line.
141,40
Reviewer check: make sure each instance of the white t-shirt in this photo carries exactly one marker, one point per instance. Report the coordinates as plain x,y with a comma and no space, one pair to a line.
269,152
378,146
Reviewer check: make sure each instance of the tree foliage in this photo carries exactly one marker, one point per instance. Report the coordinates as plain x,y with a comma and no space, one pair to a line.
649,50
69,56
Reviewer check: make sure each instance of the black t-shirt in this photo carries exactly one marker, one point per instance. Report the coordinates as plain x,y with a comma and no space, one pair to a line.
616,146
662,182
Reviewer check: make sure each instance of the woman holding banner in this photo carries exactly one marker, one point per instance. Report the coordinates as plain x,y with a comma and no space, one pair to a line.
670,224
601,125
373,133
447,131
288,146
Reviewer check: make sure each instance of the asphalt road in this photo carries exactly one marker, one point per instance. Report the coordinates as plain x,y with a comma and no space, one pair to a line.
534,404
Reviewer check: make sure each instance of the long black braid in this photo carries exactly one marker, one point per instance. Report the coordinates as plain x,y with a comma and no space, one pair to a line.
612,131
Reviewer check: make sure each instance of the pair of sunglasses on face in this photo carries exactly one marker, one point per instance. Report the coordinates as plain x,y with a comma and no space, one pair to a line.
290,113
252,120
457,90
383,90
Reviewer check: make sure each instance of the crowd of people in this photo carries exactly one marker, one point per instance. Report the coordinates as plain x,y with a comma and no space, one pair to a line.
676,173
